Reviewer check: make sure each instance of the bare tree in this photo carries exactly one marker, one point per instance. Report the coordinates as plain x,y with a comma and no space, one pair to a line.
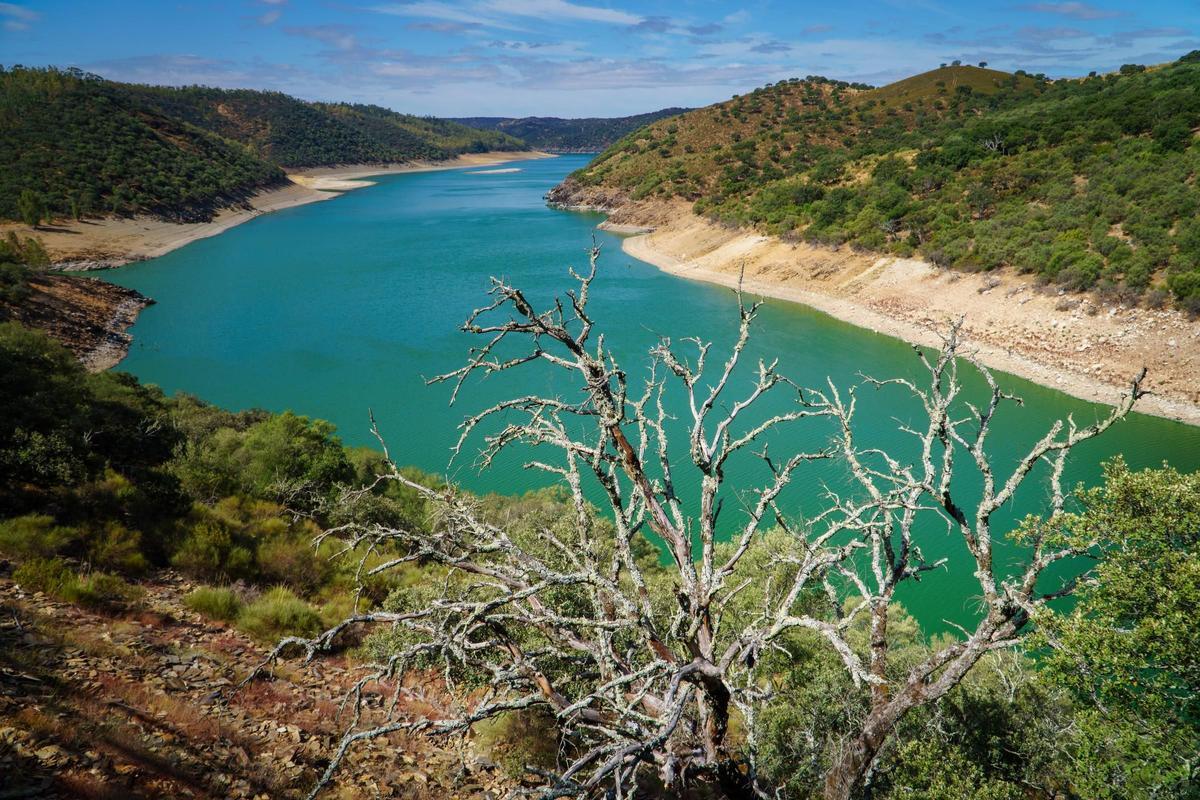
643,676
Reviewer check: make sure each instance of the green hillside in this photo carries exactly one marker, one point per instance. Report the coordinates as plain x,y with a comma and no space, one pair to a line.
294,133
1089,182
82,145
87,146
582,135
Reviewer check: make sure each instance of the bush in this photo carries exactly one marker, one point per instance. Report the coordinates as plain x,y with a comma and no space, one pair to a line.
35,536
100,590
55,577
118,548
214,602
293,562
518,739
279,613
210,552
47,575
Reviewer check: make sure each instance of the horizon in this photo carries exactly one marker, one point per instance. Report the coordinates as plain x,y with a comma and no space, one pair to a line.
555,58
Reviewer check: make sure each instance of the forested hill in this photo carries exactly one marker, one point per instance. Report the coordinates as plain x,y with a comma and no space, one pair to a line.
555,134
77,144
1088,182
295,133
82,145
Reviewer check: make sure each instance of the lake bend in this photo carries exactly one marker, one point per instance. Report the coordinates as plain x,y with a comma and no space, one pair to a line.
335,309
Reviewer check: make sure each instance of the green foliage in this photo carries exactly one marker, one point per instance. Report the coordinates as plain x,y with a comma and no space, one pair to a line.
90,146
582,135
1130,650
76,145
518,740
279,613
96,590
47,575
31,208
282,457
214,602
969,167
35,536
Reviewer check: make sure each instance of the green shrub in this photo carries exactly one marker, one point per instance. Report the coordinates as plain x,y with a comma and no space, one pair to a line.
214,602
56,578
279,613
118,548
211,551
100,590
292,561
35,536
47,575
518,739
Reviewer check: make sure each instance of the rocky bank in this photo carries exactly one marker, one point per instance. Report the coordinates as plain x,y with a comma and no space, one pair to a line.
1080,344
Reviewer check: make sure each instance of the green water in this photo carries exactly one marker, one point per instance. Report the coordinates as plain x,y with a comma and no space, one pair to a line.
335,308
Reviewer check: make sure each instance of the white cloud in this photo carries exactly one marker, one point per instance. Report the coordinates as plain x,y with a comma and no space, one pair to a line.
17,18
561,9
442,11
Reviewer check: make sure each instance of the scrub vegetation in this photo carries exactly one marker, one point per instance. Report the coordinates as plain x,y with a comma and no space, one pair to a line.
76,145
288,533
1090,183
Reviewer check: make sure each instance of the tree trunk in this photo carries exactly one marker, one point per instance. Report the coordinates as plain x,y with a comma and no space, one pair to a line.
847,773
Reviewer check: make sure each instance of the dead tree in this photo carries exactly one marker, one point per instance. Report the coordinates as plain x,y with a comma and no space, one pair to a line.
644,680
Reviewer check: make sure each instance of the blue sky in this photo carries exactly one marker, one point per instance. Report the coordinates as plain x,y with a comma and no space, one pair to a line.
574,57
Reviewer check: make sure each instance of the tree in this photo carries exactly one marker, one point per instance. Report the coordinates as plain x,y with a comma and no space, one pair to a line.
1128,650
31,207
647,669
983,63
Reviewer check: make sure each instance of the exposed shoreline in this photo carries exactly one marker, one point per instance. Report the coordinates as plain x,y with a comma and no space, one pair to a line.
113,242
1072,343
93,317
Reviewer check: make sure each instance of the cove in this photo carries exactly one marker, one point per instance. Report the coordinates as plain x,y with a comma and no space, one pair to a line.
337,308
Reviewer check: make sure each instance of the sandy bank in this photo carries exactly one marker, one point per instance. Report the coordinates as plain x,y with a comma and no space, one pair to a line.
1073,343
109,242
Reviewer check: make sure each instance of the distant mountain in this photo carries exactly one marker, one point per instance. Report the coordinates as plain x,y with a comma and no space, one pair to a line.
558,135
85,145
1086,182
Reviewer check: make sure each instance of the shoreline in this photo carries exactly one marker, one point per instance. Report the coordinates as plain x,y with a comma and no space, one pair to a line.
94,322
1071,343
94,244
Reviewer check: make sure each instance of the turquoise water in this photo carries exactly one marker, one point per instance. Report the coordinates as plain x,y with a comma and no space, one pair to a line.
337,308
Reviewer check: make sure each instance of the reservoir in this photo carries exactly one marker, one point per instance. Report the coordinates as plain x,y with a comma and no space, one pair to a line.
337,309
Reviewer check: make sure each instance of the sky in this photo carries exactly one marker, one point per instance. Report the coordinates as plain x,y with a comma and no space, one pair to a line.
575,57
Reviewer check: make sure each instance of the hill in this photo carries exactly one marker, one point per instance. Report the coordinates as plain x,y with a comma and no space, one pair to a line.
1089,182
558,135
89,146
82,145
295,133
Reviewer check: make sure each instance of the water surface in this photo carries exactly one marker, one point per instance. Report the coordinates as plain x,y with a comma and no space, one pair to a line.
336,308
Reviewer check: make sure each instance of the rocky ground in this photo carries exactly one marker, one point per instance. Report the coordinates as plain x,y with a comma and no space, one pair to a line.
142,705
89,316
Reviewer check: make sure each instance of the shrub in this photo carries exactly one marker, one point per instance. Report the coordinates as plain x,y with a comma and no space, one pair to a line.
100,590
96,590
214,602
118,548
47,575
35,536
293,562
210,552
279,613
518,739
